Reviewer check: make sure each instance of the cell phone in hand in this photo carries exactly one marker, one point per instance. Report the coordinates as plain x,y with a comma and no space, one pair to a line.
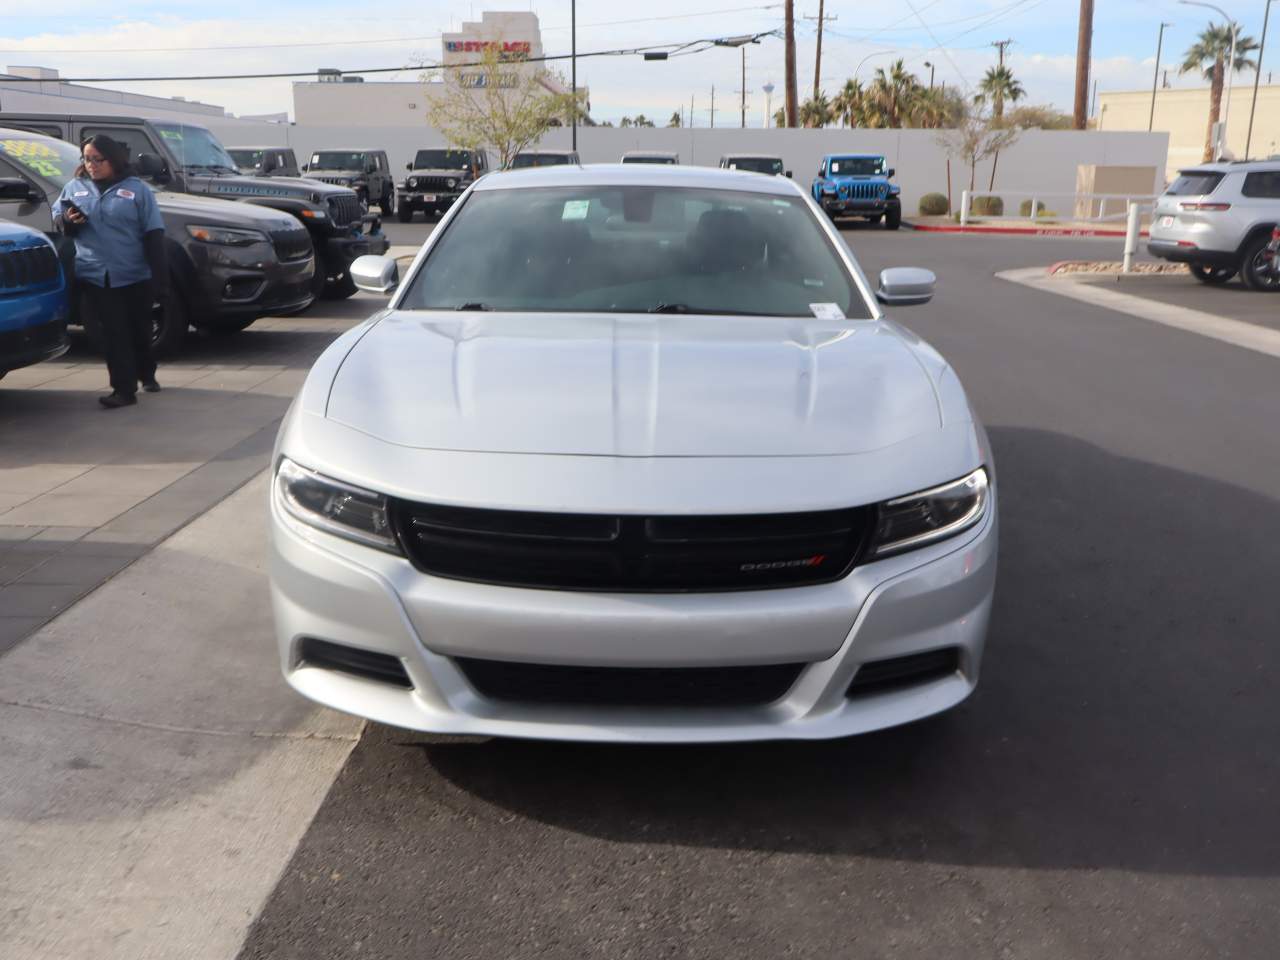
72,208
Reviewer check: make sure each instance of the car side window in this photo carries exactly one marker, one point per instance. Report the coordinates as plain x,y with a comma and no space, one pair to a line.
1264,184
137,141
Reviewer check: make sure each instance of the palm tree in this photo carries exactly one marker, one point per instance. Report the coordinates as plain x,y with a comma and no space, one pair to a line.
892,93
816,111
676,120
1208,55
998,85
848,104
780,117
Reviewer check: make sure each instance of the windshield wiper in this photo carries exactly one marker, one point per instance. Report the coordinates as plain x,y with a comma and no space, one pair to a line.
671,308
473,305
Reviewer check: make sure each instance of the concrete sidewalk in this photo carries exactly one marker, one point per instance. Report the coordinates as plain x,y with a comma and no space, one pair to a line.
158,773
84,492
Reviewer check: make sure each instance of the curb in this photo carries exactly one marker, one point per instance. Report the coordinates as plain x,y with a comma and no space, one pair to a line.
1022,231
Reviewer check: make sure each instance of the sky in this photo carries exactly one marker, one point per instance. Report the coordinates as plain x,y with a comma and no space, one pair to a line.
170,38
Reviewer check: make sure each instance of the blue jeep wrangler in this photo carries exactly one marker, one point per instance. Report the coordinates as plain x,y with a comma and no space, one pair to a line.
857,185
33,299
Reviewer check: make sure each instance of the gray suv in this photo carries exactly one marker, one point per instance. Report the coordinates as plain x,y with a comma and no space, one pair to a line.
364,171
1217,218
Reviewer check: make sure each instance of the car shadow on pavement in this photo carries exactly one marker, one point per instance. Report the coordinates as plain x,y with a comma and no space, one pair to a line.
1126,716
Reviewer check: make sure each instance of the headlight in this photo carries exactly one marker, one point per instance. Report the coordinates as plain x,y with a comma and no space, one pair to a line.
828,188
226,236
452,183
314,214
334,507
930,515
412,182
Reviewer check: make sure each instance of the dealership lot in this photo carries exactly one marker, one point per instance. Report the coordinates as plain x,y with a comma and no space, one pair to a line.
1109,790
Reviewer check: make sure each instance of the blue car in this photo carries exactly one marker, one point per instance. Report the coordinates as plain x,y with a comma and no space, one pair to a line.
33,299
857,185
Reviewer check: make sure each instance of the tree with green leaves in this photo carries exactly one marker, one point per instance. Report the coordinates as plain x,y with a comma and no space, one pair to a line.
1208,55
676,120
498,104
816,111
848,104
891,94
999,84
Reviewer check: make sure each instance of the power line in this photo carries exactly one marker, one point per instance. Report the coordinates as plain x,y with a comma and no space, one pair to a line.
692,46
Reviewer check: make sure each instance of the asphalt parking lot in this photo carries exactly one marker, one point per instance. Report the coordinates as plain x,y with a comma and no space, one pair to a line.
1109,791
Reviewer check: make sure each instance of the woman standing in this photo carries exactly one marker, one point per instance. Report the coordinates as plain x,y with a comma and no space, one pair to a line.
120,261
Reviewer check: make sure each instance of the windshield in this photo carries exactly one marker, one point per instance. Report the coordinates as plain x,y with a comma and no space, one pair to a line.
756,164
196,148
53,161
442,160
857,166
247,159
539,160
1194,183
338,160
616,249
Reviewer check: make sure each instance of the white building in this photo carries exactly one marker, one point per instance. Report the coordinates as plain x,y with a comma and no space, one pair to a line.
49,94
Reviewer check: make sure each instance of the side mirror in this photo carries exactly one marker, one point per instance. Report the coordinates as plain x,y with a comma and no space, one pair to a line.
380,275
152,166
788,174
306,167
408,166
905,286
15,189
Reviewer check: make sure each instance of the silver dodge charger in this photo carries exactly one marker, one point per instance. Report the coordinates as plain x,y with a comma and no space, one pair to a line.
633,454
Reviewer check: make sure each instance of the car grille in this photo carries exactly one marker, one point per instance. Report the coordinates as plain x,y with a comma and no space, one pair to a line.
345,210
659,554
433,183
293,244
860,190
630,686
27,267
338,181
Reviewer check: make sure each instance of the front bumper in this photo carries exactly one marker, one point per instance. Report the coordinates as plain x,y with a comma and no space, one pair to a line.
237,282
855,207
333,590
426,201
27,345
341,250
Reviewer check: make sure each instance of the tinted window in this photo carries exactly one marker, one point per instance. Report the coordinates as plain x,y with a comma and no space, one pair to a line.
857,166
338,160
617,249
755,164
648,160
137,141
1194,183
442,160
1265,184
247,159
540,160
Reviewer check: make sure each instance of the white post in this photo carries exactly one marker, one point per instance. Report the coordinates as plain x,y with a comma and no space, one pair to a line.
1035,206
1131,237
964,208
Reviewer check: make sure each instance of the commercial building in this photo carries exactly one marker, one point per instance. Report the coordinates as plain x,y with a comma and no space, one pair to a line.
53,95
1184,114
337,100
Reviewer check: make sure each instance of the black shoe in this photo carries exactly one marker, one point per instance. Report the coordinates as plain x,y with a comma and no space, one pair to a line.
150,386
113,400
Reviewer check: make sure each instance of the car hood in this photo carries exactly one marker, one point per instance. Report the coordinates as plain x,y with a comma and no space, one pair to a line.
438,172
253,187
317,174
230,213
610,385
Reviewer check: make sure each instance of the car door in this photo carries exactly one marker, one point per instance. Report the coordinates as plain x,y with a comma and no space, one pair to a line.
33,213
1260,197
134,138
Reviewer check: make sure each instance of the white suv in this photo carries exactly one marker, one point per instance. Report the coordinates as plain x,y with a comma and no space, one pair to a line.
1218,219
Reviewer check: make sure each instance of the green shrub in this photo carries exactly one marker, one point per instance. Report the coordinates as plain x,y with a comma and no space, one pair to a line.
987,207
1024,208
933,205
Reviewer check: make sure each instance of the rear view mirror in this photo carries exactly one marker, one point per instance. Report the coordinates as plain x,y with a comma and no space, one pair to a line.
152,167
16,189
380,275
906,286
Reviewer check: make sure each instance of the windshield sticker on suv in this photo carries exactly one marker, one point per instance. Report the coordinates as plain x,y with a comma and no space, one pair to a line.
168,134
575,209
35,156
827,311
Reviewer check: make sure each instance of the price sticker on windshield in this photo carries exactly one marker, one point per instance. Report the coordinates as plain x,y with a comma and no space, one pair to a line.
827,311
575,209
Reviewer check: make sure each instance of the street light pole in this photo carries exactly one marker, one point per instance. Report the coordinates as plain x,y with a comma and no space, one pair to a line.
930,66
1155,80
877,53
573,65
1257,75
1231,69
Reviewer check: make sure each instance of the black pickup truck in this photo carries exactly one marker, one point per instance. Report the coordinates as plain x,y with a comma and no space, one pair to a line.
182,158
229,263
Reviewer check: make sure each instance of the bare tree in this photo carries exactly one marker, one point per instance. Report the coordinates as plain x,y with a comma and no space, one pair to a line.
499,103
977,136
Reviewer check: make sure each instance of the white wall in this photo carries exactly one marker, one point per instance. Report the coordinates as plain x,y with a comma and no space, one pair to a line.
1044,160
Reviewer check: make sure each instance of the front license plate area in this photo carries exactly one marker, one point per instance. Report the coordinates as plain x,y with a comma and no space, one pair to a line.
428,198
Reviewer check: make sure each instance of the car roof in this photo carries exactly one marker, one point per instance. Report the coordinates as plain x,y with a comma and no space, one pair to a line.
857,156
262,147
546,153
651,153
346,150
1231,166
632,174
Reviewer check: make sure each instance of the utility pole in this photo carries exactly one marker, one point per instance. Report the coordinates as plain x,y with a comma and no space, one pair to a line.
1257,75
792,107
817,60
744,88
573,64
713,106
1155,79
1001,44
1084,55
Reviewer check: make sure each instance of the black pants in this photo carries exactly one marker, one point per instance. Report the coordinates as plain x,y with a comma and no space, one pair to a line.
123,314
